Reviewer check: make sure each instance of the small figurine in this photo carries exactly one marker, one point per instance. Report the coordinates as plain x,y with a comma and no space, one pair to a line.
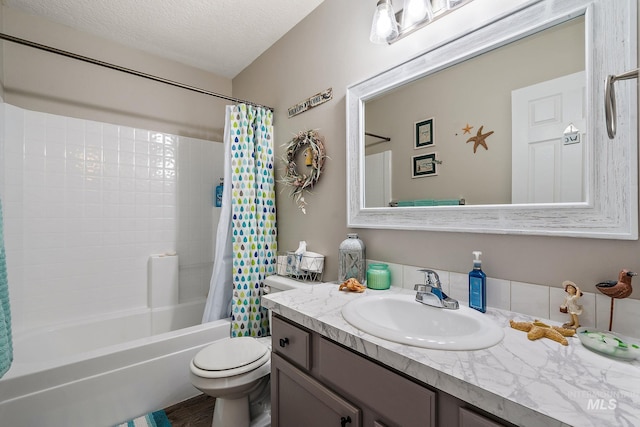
620,288
617,289
570,304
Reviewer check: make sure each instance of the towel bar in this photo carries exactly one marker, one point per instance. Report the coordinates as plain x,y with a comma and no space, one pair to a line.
610,99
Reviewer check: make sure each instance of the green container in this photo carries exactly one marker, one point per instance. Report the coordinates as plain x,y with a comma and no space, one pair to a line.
378,276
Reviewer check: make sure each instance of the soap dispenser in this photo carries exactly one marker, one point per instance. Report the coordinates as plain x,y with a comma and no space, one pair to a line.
218,195
477,285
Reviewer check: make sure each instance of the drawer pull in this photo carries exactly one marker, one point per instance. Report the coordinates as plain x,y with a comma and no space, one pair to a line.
284,342
344,421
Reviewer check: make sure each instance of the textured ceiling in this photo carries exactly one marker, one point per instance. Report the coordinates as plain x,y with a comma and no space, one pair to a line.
220,36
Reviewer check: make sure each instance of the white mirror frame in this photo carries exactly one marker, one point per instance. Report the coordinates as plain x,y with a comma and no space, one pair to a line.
611,207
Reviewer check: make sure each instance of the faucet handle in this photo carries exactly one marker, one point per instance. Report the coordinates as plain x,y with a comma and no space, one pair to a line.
421,288
431,278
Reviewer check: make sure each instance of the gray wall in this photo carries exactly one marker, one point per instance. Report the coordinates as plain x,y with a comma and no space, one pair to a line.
42,81
1,54
331,49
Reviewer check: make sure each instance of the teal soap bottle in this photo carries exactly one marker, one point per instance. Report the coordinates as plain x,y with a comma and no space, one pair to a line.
219,190
477,285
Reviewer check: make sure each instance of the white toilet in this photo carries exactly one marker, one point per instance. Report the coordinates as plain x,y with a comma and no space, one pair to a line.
236,372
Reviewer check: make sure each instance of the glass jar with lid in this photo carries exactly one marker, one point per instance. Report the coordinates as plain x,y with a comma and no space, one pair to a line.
378,276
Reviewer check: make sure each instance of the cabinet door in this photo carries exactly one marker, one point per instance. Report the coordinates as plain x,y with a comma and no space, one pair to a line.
396,400
299,400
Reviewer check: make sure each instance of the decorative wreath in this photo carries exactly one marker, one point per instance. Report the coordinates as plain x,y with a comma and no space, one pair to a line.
315,154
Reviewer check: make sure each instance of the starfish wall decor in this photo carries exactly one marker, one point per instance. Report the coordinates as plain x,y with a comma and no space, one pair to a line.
479,139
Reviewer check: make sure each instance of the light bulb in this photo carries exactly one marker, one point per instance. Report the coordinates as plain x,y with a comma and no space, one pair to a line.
415,11
384,27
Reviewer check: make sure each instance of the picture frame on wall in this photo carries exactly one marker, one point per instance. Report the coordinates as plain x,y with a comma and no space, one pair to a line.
424,165
423,133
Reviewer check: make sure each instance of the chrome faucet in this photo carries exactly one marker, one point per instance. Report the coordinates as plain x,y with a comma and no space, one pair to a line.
431,292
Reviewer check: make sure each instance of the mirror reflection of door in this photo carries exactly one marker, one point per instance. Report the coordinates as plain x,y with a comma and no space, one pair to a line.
378,180
546,168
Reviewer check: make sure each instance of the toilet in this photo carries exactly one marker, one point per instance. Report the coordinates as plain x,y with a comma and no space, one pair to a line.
236,372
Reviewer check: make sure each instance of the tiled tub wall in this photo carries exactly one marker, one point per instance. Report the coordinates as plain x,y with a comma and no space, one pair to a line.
539,301
86,203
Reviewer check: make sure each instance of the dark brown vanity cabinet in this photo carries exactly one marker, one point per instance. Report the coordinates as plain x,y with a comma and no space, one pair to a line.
316,382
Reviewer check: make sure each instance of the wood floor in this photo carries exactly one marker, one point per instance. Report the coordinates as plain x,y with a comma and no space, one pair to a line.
195,412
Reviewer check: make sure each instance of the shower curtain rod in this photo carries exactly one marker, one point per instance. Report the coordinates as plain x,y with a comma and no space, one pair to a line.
124,70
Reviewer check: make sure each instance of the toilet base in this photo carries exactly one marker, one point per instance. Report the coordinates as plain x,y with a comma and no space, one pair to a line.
260,405
231,412
234,413
253,410
264,420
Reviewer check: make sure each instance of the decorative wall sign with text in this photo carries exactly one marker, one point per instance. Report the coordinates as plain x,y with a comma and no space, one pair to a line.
423,134
424,165
571,135
314,101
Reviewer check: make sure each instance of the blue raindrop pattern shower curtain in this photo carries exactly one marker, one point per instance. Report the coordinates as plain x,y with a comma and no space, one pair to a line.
6,343
253,217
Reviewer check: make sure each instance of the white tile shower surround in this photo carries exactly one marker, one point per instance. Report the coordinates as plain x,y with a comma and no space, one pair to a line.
535,300
86,203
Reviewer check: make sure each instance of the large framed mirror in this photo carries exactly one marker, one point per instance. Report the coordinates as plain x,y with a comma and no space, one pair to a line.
502,129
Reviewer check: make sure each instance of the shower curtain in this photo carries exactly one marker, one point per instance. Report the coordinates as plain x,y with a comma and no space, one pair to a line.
246,236
6,343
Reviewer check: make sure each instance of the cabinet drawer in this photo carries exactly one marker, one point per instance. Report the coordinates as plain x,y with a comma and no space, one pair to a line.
291,342
471,419
401,402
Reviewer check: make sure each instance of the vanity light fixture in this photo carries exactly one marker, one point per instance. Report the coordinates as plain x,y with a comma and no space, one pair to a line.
389,26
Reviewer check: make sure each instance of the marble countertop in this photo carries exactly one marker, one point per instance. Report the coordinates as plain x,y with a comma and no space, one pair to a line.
529,383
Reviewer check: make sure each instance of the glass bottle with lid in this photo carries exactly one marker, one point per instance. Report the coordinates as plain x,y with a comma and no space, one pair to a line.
351,259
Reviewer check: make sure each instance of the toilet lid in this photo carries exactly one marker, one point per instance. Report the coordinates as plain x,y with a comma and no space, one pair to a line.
240,354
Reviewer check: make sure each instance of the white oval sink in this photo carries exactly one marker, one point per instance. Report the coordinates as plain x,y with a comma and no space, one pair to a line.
401,319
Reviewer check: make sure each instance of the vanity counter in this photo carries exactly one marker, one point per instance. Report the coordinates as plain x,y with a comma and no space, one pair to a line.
528,383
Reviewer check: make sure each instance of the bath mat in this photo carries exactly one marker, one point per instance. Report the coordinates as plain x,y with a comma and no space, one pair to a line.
154,419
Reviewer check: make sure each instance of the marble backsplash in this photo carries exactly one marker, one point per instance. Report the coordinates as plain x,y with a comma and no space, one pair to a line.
536,300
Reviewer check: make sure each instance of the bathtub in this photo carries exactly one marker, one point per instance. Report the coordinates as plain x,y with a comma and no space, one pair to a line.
80,375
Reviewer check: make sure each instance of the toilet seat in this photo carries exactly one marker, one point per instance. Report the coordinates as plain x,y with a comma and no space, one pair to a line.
229,357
